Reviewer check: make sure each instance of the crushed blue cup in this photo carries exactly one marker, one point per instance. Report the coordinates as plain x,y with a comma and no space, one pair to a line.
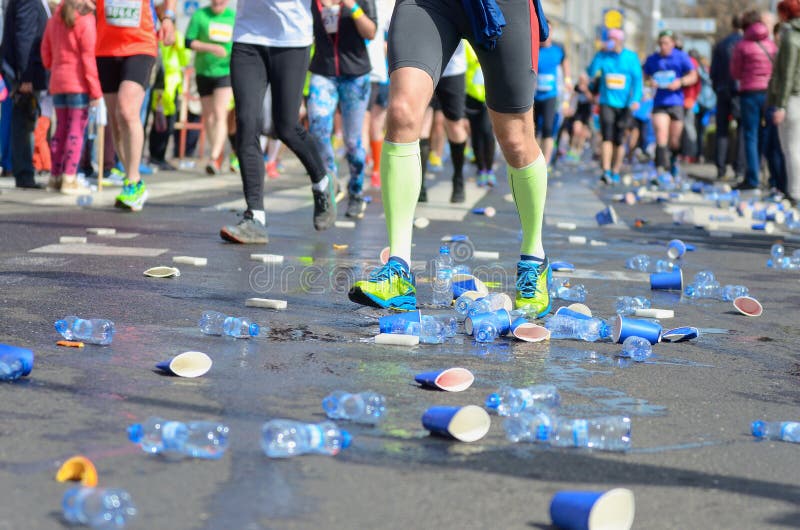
11,353
681,334
593,510
606,216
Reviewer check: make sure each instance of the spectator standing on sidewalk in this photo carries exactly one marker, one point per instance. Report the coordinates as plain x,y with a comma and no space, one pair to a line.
784,94
773,153
727,98
68,52
751,68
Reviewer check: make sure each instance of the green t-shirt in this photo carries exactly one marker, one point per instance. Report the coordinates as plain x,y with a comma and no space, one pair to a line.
209,27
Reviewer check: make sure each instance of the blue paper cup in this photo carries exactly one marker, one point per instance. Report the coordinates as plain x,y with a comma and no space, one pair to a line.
667,281
528,331
10,354
676,249
467,282
561,266
625,327
606,216
680,334
501,319
187,364
593,510
466,424
567,312
450,380
388,322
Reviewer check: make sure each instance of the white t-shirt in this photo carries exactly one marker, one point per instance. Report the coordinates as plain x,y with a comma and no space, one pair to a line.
278,23
458,62
376,48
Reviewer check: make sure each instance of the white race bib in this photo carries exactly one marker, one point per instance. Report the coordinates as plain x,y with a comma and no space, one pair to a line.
664,78
218,32
547,83
123,13
615,81
330,18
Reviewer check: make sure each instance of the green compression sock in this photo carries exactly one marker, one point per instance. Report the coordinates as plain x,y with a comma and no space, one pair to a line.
529,188
401,178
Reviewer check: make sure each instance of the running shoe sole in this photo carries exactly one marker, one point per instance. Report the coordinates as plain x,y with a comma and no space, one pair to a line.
397,303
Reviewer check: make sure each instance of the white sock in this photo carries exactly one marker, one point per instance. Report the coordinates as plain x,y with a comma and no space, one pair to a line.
260,216
322,185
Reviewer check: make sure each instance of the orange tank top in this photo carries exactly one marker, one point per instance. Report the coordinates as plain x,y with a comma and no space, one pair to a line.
125,28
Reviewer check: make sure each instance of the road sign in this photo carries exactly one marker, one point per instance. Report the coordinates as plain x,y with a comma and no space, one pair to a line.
689,25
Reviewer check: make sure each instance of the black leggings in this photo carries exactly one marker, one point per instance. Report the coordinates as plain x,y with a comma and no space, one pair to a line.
253,68
482,133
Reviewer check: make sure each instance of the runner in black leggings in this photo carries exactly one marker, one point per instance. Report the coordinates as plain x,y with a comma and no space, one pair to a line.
272,40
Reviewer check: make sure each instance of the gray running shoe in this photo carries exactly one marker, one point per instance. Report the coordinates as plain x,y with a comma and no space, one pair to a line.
325,207
247,232
355,207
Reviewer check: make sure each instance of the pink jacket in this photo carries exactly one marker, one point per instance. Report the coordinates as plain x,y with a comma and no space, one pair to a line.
750,64
69,55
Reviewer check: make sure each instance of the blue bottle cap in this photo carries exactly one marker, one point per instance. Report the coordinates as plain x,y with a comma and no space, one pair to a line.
444,249
136,433
61,325
543,433
493,401
254,329
347,439
758,429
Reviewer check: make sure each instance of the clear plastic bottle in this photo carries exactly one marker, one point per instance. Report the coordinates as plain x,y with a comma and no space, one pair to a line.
211,322
431,330
449,325
636,348
777,252
509,401
285,438
363,407
607,433
663,265
91,124
488,304
590,330
240,327
704,277
787,431
463,304
94,331
197,439
98,507
534,426
575,293
443,278
730,293
627,305
710,289
640,262
486,332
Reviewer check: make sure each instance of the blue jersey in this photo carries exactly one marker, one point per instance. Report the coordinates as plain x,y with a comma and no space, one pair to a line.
665,70
550,58
620,78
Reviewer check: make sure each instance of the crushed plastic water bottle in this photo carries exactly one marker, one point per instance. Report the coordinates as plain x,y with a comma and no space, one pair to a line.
534,426
565,327
431,330
627,305
284,438
787,431
197,439
509,401
488,304
443,278
607,433
98,507
449,325
363,407
575,293
216,323
704,277
640,262
663,265
84,200
486,332
637,349
703,290
732,292
777,252
92,331
463,304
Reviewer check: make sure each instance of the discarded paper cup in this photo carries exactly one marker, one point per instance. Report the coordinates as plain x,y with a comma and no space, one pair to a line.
635,327
676,249
567,312
667,281
162,272
187,364
749,306
466,424
467,282
501,319
78,468
767,227
593,510
580,308
528,331
384,255
606,216
388,323
450,380
680,334
561,266
421,222
488,211
12,354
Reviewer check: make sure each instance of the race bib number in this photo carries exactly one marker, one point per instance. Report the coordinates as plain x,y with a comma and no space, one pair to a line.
615,81
664,78
477,79
547,83
123,13
330,18
220,32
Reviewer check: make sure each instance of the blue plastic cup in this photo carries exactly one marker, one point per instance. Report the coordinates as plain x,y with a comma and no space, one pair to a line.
561,266
667,281
567,312
466,424
187,364
625,327
500,318
388,322
606,216
676,249
467,282
593,510
528,331
449,380
11,353
680,334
